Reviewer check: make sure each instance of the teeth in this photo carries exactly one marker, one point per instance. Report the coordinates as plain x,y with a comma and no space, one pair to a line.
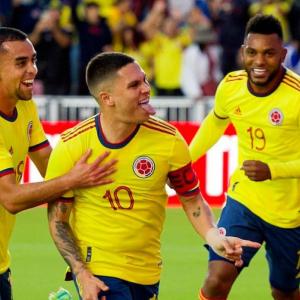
260,71
144,102
28,81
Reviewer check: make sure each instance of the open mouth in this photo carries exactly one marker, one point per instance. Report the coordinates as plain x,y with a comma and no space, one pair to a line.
28,83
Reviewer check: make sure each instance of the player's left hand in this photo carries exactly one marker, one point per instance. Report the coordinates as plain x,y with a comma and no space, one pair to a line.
232,248
256,170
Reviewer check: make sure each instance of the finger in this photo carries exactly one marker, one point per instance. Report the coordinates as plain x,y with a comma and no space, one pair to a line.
239,263
247,243
102,286
100,158
104,167
85,156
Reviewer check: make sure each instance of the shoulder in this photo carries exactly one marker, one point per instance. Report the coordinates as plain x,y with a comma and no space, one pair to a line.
240,75
159,127
292,80
79,130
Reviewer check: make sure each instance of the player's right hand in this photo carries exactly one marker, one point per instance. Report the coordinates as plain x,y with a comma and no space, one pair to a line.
85,174
90,286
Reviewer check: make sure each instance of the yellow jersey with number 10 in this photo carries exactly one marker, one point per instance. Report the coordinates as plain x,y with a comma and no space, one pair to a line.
118,225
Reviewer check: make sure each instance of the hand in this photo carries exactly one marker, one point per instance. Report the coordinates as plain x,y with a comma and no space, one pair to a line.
256,170
228,246
231,248
84,174
90,286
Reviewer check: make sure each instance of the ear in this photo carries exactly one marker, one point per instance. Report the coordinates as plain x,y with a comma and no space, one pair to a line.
106,98
284,52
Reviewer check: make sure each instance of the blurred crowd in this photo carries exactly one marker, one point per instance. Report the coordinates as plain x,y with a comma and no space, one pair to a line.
185,47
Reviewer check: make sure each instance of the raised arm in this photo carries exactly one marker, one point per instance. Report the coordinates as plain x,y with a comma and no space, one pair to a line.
61,232
17,197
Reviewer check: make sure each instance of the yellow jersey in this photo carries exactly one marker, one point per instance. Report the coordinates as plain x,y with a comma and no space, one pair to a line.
118,225
19,134
268,129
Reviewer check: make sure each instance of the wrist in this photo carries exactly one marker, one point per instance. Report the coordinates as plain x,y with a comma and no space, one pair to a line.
213,236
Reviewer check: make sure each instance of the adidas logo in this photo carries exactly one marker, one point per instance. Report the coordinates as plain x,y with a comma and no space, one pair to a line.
237,111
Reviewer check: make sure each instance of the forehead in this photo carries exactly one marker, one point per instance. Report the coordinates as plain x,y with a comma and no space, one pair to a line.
131,72
13,50
263,41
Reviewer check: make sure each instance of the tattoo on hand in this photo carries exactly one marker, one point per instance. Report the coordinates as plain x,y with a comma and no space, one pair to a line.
197,213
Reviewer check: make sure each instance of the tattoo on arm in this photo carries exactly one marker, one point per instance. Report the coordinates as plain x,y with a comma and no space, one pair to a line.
197,213
64,237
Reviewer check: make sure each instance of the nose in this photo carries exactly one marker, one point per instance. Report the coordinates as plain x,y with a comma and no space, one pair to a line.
146,87
259,60
32,68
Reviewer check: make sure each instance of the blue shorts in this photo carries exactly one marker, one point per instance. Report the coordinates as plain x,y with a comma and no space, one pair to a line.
282,245
120,289
5,286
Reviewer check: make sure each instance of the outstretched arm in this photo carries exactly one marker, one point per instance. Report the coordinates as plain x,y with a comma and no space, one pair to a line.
61,232
17,197
201,217
207,135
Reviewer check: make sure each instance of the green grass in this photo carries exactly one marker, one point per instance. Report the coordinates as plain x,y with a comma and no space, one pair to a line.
38,268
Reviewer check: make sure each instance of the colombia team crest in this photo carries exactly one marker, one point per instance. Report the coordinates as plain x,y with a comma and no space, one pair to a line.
276,116
143,166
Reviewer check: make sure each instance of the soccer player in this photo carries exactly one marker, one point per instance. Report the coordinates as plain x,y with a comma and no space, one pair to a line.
263,104
21,133
110,235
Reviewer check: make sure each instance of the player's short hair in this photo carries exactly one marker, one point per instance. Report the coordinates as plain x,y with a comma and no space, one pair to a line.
264,24
103,68
9,34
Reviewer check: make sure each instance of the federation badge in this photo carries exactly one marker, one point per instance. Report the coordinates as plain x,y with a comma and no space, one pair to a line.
143,167
29,130
276,116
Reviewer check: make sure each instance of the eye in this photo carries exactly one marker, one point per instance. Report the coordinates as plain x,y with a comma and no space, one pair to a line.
250,52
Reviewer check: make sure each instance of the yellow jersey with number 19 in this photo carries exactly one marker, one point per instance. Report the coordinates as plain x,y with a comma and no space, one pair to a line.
118,225
19,133
268,129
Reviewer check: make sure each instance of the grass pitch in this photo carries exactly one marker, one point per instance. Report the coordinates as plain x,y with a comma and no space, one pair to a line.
38,268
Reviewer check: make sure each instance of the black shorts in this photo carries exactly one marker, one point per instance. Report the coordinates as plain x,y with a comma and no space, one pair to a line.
5,286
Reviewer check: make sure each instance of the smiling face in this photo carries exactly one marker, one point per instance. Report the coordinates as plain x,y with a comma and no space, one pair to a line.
17,71
129,96
263,55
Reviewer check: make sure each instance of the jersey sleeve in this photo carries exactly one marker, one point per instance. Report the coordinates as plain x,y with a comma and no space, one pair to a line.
60,162
182,176
6,162
220,98
38,137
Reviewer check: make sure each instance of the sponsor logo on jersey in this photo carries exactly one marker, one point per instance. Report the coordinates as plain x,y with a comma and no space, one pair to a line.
143,166
276,116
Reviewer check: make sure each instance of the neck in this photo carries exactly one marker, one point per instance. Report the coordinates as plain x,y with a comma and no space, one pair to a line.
7,108
115,131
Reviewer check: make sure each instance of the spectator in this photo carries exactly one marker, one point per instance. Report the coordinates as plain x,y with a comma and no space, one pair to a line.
53,43
94,36
120,17
229,18
277,8
200,67
167,57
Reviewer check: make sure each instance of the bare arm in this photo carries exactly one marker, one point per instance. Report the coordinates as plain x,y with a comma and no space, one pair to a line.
201,217
61,232
17,197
